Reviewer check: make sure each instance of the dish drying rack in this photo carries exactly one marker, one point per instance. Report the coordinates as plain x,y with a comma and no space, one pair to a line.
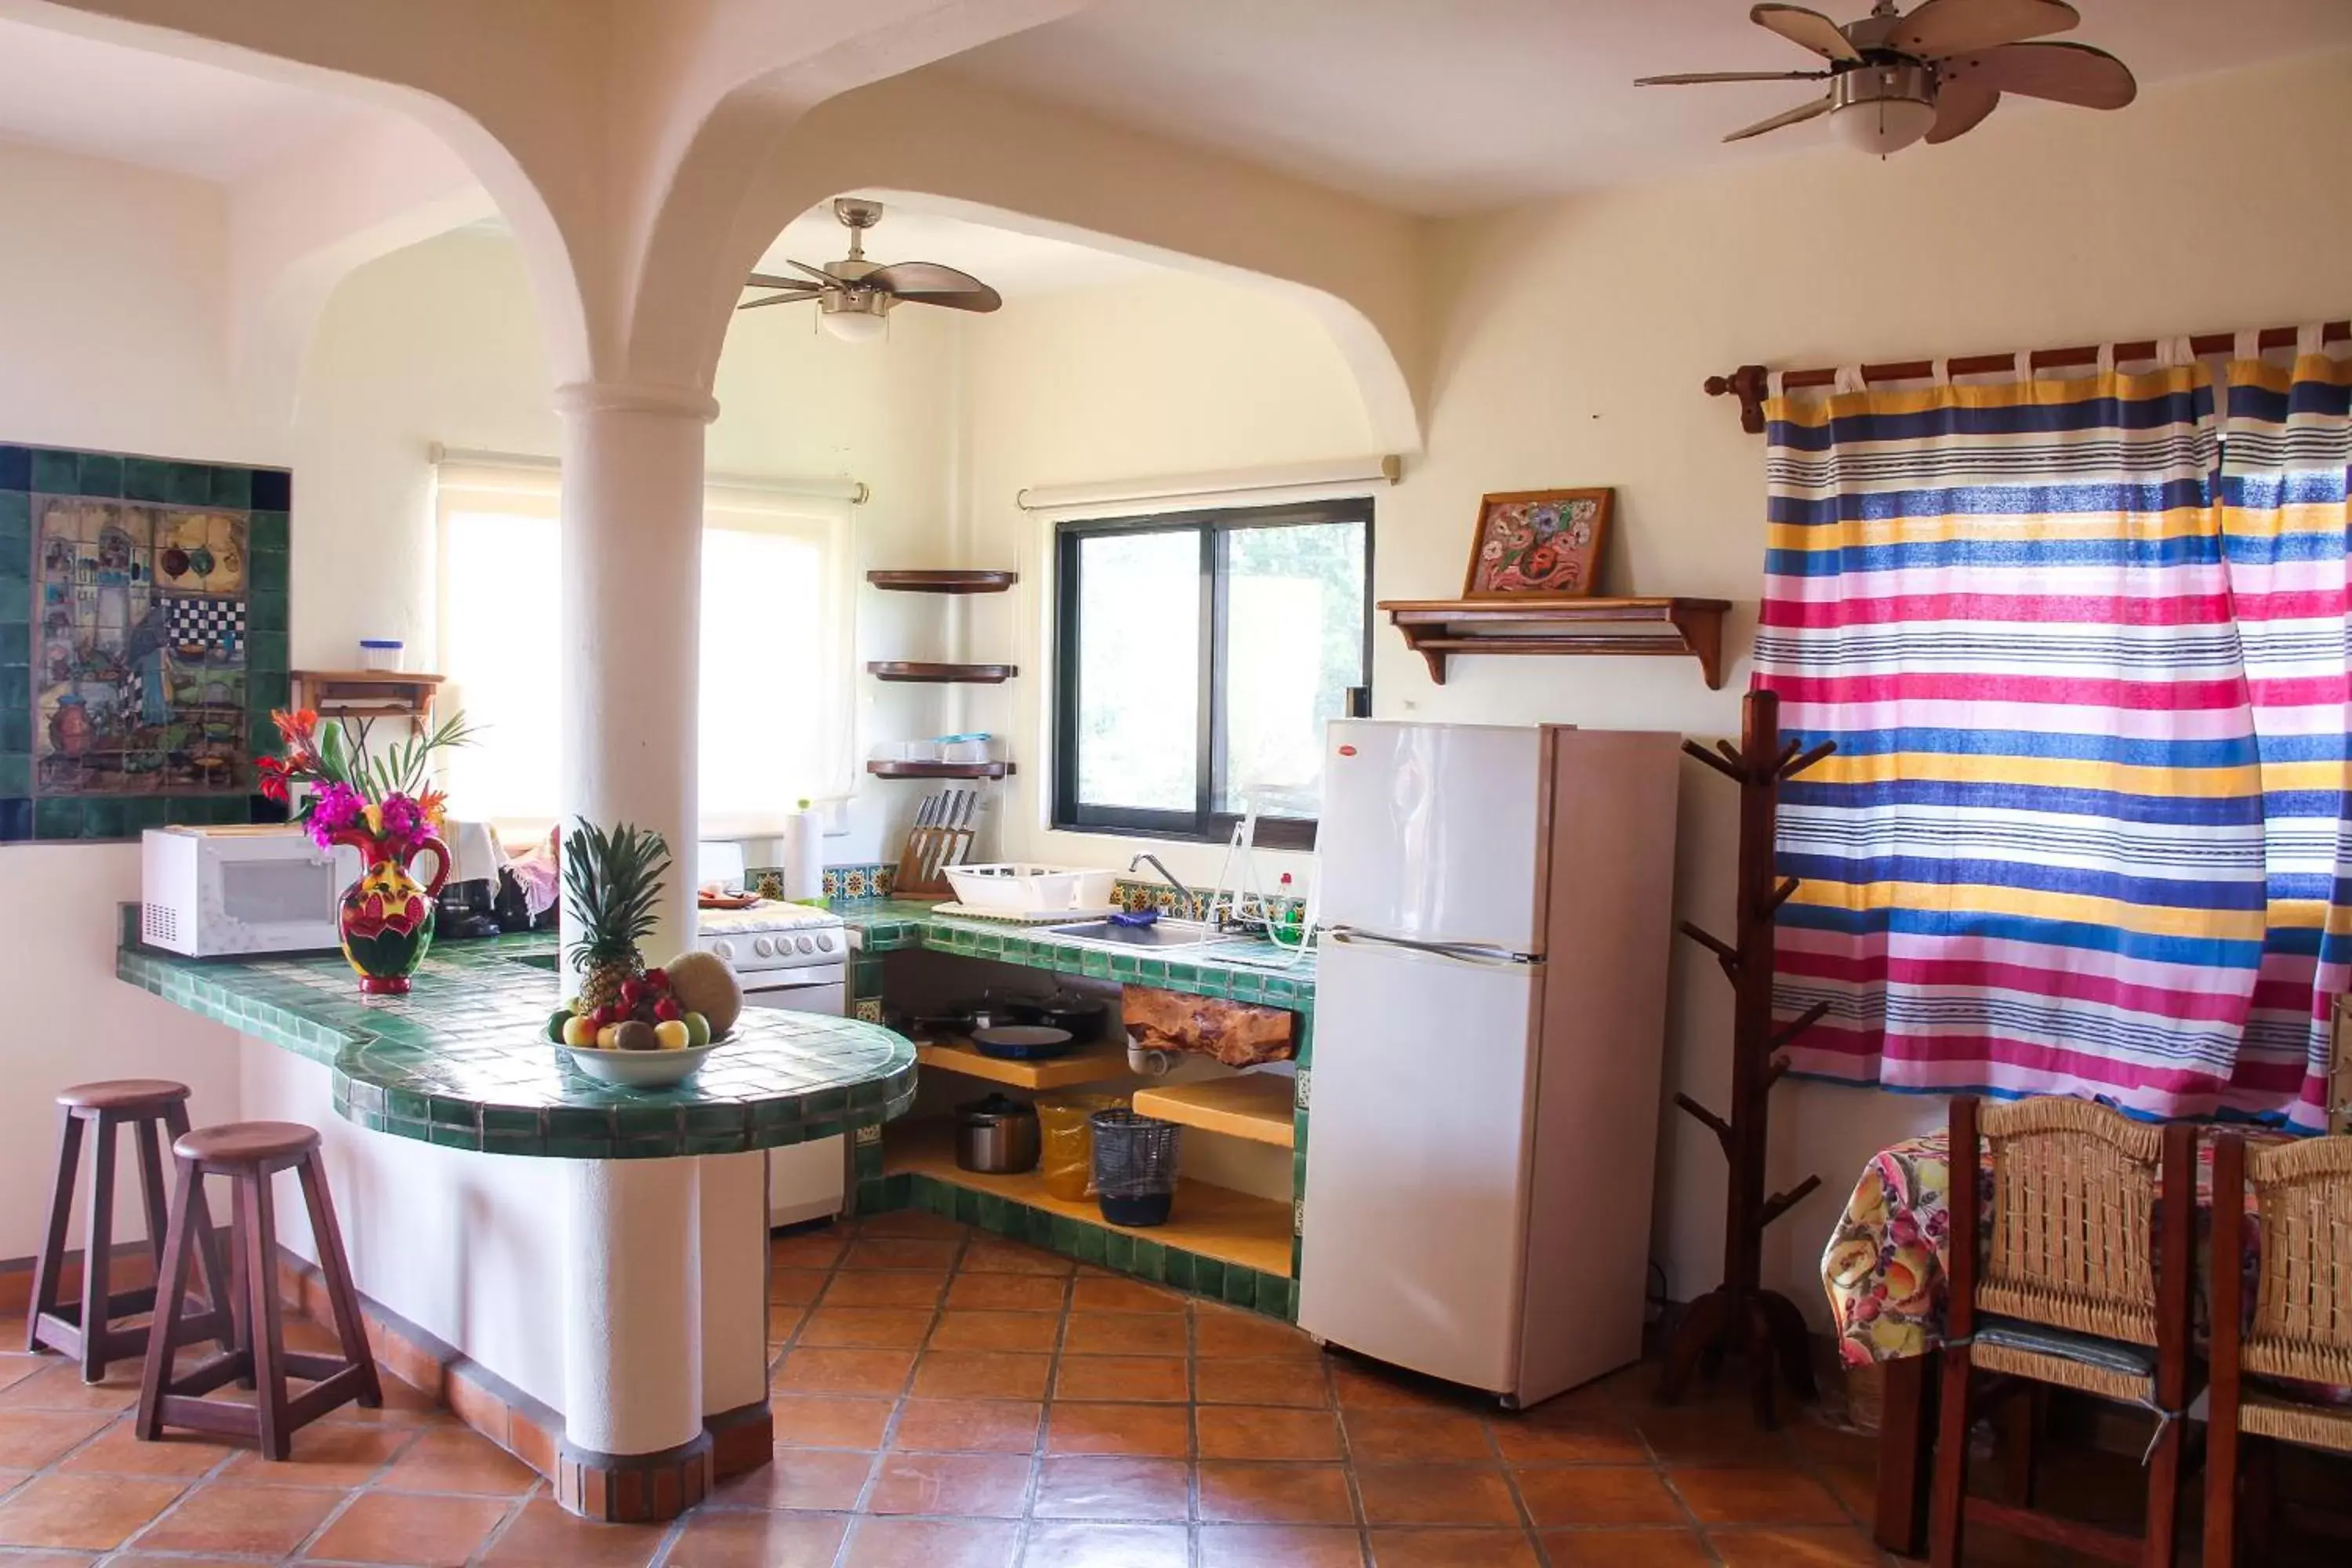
1249,907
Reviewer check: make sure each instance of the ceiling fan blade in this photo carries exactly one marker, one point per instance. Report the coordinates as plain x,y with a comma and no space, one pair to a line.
791,298
2065,73
824,279
1807,29
1943,27
770,280
1691,78
1961,105
929,283
1802,113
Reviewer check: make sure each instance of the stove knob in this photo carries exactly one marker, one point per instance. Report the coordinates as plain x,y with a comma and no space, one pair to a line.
824,942
763,946
723,949
804,943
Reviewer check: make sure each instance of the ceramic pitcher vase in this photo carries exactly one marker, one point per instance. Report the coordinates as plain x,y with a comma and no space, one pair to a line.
386,919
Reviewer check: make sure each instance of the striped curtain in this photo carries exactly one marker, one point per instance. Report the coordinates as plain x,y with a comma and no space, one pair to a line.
2038,862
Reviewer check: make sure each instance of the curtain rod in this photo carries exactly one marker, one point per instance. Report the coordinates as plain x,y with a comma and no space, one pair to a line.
1196,486
854,491
1749,382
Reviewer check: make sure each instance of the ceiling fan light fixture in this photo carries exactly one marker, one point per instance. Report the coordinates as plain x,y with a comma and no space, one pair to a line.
854,318
1883,109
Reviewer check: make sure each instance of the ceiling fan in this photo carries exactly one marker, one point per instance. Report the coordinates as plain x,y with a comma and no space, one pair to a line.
854,295
1934,73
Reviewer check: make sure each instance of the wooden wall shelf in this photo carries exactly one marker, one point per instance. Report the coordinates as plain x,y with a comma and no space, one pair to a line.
887,770
365,693
943,581
1554,625
941,674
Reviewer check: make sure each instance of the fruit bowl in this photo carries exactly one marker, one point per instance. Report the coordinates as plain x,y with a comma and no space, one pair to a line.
638,1070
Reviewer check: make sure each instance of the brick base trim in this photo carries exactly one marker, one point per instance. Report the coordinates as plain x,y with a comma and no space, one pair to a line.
634,1488
741,1440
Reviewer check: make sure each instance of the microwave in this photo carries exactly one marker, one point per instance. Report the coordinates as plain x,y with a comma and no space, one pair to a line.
212,892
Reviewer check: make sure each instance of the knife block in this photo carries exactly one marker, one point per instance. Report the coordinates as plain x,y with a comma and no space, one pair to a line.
923,863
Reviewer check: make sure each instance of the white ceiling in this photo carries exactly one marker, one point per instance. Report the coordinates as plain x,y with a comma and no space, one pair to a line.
110,100
1443,106
1016,266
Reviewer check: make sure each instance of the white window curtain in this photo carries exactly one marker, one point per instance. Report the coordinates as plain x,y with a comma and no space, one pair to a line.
777,645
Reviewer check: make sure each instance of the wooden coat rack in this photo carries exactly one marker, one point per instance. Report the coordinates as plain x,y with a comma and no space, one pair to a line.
1740,1316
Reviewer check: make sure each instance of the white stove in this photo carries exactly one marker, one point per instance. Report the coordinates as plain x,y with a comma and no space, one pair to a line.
770,937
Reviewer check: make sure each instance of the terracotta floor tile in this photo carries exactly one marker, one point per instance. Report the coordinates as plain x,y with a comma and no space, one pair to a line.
416,1531
1145,1431
1591,1441
1756,1497
32,1439
1358,1387
1008,1292
1796,1548
457,1460
796,1287
717,1538
1689,1437
404,1405
1298,1382
902,1253
116,1452
968,1426
881,1287
976,1330
1256,1432
60,1387
931,1544
820,1370
1108,1293
1279,1546
830,1421
1125,1333
1598,1495
783,1322
809,1249
1435,1494
1452,1548
1274,1494
91,1513
544,1536
1643,1548
1066,1543
252,1522
891,1327
973,1486
1133,1378
985,1256
1229,1332
1382,1435
831,1479
325,1455
981,1375
130,1560
912,1222
1144,1490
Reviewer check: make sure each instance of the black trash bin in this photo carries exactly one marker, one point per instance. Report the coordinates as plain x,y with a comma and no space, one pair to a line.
1135,1167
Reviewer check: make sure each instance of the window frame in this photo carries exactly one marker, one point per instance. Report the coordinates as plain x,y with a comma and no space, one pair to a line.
1216,526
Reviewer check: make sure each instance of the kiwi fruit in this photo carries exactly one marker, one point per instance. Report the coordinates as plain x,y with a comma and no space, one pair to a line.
634,1036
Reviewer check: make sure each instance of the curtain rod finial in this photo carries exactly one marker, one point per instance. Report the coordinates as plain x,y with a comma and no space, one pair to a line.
1748,384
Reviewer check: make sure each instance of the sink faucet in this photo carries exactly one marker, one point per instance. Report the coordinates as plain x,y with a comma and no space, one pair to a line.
1182,892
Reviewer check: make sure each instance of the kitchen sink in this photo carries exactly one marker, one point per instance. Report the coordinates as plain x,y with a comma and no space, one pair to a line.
1160,934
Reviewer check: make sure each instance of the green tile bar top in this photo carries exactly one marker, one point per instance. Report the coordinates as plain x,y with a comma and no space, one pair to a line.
461,1061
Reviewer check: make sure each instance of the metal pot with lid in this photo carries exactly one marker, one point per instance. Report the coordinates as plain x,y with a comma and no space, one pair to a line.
996,1136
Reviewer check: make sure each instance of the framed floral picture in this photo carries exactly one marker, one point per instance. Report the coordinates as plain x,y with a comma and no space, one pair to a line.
1538,542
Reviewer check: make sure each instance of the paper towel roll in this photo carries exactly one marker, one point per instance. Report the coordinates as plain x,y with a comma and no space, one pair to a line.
803,857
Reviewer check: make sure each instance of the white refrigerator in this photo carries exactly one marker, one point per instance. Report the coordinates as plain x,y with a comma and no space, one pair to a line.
1490,1007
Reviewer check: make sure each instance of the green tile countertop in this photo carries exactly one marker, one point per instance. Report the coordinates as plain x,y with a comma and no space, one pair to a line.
461,1061
1241,968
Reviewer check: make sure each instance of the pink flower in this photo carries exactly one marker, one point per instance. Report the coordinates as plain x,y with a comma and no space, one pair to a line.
335,807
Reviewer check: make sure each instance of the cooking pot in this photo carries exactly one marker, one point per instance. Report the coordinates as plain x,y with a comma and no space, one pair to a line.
996,1136
1073,1010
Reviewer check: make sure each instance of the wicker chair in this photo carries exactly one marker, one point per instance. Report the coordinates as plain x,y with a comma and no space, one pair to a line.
2078,1277
2301,1327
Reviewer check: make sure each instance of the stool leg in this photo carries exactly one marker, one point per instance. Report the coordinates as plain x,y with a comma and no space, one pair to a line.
219,1289
51,1262
147,1134
98,1252
346,1298
170,1282
257,1220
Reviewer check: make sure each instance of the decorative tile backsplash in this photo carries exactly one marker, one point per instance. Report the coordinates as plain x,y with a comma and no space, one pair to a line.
862,881
143,622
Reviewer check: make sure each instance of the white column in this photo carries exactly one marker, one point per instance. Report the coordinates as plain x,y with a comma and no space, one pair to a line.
632,1307
631,622
734,1220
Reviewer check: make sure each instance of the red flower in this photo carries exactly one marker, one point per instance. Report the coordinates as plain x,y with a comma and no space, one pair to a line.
273,778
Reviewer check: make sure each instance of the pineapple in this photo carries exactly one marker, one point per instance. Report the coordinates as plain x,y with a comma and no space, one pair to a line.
611,879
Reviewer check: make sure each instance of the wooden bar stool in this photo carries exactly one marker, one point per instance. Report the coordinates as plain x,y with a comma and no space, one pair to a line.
148,1108
249,1154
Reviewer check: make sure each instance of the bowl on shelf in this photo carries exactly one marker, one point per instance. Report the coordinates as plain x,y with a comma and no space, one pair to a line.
1023,1042
639,1069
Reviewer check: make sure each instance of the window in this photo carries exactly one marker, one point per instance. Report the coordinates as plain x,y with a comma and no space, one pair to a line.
776,640
1198,657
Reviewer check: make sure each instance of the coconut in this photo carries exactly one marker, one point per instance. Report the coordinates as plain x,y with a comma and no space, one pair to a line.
703,983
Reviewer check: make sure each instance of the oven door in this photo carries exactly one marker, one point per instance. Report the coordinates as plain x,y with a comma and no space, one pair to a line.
805,1181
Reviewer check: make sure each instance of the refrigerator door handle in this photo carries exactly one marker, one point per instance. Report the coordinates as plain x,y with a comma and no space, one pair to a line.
1465,952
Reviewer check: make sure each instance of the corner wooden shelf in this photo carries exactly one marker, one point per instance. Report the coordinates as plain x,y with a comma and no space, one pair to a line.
1253,1105
943,581
887,770
365,693
1553,624
941,674
1213,1222
1089,1063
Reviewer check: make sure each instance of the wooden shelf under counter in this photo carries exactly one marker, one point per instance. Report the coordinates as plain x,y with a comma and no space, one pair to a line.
1088,1064
1214,1222
1254,1105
